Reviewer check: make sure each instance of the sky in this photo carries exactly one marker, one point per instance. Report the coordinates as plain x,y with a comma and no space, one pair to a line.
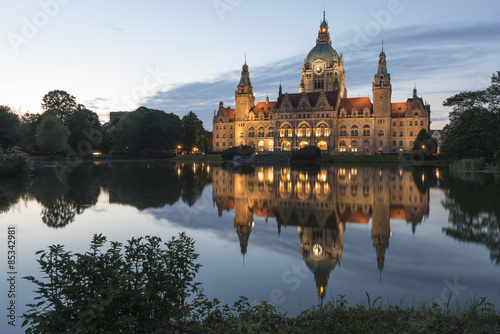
181,56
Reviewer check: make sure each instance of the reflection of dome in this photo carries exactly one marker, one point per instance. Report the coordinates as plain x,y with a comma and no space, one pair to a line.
321,269
324,52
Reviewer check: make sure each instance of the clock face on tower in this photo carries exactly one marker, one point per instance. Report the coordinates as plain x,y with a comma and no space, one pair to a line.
318,69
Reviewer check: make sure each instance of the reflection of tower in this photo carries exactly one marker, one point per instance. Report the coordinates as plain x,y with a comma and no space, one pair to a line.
243,222
321,249
381,214
243,212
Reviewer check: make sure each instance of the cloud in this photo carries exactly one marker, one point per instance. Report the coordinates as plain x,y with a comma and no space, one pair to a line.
443,61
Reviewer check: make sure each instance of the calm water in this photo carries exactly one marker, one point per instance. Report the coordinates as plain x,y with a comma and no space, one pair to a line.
289,236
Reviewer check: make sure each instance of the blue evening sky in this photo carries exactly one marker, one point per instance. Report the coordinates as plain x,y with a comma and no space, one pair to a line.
187,55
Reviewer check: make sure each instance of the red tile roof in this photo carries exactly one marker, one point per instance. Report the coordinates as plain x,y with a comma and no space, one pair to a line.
360,103
264,107
399,107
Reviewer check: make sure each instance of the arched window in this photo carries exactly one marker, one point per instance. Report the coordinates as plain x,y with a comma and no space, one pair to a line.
366,143
217,144
401,143
223,135
342,146
343,130
354,130
322,130
304,131
251,132
240,135
231,135
421,123
394,133
394,143
401,133
381,143
401,123
394,123
380,133
286,131
366,130
261,132
411,123
411,133
217,136
270,132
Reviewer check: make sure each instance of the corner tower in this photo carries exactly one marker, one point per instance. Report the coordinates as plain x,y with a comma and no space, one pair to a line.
244,97
382,89
323,69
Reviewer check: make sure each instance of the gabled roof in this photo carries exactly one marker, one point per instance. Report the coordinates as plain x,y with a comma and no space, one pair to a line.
400,107
312,97
264,107
360,103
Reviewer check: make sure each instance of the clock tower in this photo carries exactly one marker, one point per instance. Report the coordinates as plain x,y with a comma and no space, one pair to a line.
323,69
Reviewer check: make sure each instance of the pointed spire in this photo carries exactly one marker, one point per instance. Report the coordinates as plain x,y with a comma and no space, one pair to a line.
415,91
323,35
280,90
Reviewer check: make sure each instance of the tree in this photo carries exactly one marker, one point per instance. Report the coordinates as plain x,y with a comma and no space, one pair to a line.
9,128
29,123
147,129
425,143
474,123
193,132
52,135
85,129
60,101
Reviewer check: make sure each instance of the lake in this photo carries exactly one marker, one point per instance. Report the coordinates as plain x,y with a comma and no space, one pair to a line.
295,237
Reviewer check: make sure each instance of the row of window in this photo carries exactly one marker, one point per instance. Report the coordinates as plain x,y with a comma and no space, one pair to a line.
367,143
411,123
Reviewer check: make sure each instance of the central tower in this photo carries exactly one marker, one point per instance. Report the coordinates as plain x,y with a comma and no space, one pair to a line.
323,69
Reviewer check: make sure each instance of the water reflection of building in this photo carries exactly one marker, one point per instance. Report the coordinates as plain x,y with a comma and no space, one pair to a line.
320,204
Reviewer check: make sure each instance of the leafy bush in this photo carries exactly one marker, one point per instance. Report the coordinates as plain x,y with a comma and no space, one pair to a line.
307,153
134,288
242,150
14,162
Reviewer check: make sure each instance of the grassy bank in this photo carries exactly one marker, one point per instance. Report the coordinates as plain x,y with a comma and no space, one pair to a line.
339,317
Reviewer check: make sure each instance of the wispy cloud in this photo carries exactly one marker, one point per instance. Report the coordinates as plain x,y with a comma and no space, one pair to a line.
442,61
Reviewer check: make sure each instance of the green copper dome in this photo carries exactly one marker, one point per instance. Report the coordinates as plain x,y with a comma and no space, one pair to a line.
324,52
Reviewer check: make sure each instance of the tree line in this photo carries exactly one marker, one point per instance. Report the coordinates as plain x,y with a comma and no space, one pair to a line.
474,124
67,125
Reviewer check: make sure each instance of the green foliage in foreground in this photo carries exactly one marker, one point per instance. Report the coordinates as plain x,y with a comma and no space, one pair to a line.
14,162
340,317
143,287
132,288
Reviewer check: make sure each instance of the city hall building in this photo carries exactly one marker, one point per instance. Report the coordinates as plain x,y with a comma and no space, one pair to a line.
321,114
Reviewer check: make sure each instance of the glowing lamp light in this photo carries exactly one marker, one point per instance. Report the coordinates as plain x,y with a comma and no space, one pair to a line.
321,290
96,153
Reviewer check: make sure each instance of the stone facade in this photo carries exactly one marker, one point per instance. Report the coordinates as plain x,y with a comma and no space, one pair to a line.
321,114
